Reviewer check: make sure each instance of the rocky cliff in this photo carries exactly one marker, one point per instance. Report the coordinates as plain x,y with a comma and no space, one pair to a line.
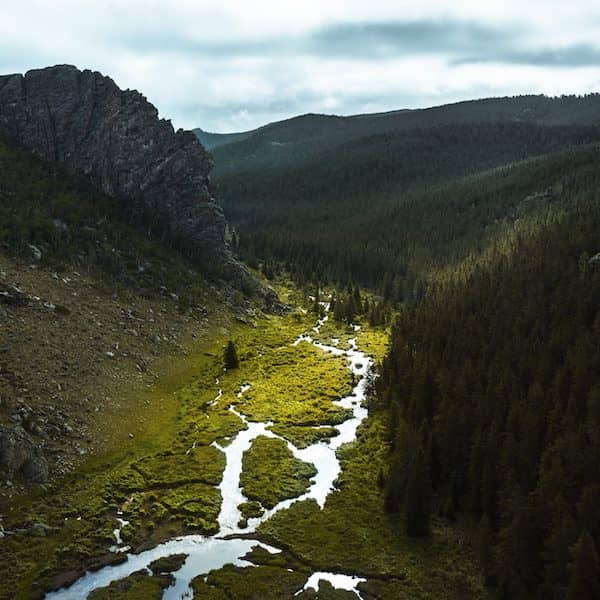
82,120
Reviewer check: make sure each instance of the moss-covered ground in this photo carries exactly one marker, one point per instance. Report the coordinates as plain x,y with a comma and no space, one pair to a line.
271,473
138,586
354,535
164,482
294,385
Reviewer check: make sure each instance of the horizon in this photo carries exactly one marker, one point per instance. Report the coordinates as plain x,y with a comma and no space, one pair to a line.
231,68
395,110
332,114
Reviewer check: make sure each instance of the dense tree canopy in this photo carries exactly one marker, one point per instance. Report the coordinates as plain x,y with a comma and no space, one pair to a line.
497,373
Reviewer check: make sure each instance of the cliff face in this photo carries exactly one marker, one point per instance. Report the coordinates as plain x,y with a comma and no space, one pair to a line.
82,120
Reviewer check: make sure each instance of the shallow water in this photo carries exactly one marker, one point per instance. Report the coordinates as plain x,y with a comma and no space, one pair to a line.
337,580
207,553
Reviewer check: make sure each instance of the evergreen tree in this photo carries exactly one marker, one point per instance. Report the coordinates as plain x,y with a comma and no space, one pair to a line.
417,504
350,309
484,548
316,303
563,535
230,357
357,300
585,570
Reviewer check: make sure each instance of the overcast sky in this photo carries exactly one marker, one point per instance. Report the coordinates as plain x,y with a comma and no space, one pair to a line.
229,65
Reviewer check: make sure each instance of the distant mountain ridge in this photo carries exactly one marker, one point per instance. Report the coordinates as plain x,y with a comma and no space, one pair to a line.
303,137
360,197
214,140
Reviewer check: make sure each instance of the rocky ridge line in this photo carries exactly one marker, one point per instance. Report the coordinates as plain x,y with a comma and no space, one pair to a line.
115,138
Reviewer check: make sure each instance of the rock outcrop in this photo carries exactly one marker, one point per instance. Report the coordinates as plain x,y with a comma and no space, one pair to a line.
19,454
115,138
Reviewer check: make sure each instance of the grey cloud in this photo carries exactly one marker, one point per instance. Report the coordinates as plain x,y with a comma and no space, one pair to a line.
345,40
577,55
407,38
462,42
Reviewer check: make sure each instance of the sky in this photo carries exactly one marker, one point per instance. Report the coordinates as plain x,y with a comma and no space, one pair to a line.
229,65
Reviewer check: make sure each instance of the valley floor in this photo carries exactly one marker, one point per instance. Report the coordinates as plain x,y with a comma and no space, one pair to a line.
164,482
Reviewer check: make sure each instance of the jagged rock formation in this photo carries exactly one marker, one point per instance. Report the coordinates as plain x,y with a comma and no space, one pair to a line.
82,120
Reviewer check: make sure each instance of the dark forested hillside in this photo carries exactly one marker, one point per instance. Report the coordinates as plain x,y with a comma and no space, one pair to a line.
493,390
64,222
394,205
480,226
382,199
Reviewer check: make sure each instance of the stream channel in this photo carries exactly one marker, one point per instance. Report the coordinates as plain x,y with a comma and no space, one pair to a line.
206,553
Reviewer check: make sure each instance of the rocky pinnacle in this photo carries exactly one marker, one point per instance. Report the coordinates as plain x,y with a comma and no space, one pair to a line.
114,137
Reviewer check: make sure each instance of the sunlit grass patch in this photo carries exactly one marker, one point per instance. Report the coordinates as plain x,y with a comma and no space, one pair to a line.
254,583
271,473
301,437
203,463
297,386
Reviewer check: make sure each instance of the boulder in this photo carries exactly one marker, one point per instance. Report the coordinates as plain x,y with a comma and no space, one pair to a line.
19,454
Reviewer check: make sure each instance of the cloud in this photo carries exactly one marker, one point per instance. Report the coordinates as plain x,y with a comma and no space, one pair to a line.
375,40
576,55
461,42
231,65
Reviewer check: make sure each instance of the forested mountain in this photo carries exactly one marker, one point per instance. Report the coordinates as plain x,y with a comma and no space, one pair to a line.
305,137
213,140
480,228
394,205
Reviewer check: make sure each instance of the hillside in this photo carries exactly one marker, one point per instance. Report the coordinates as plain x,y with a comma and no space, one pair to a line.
305,137
394,204
115,139
214,140
491,389
113,253
89,308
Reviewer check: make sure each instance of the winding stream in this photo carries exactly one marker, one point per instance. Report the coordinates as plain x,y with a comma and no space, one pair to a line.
207,553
